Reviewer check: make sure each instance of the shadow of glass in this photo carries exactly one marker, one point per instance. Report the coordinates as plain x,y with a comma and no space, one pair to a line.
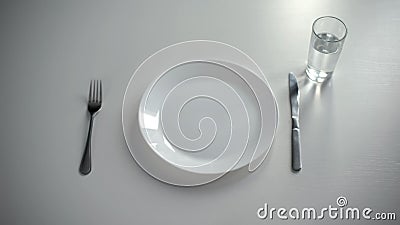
317,117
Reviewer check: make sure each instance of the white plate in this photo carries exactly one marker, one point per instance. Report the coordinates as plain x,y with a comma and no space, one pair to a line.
147,73
204,116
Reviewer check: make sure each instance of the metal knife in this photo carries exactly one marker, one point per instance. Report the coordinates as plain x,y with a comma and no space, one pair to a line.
294,96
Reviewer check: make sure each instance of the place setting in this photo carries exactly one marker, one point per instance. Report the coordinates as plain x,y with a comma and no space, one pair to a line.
196,110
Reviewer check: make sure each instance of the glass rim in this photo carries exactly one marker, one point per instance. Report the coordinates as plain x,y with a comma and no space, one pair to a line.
333,17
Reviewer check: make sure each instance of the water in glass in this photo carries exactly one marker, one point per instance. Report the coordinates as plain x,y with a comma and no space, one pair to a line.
322,57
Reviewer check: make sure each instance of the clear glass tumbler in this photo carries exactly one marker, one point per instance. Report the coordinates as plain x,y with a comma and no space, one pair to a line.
327,39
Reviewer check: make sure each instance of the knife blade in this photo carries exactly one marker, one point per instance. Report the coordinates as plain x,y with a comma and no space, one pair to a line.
294,96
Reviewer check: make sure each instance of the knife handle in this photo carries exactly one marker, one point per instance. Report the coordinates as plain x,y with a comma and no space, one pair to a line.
296,151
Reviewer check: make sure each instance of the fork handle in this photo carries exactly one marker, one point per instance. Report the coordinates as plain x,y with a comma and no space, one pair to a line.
86,163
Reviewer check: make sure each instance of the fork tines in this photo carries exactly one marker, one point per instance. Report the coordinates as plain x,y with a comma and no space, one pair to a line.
95,91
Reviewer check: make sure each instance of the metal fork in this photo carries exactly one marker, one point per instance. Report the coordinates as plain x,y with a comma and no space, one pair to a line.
94,105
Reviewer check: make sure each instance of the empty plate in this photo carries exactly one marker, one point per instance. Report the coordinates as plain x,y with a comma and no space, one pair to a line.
202,116
196,110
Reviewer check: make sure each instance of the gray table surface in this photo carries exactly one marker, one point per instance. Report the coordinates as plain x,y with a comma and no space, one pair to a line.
51,49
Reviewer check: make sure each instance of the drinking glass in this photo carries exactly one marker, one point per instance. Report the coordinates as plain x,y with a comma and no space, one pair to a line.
326,43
